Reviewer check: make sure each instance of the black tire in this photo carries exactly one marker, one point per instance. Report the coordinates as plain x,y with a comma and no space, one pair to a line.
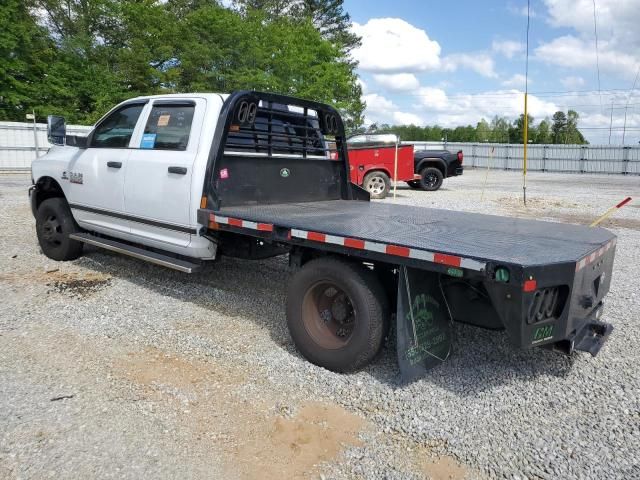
377,184
415,184
359,298
54,224
431,179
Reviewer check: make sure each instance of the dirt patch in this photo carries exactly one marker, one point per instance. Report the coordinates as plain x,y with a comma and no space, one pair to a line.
294,447
538,203
440,468
73,284
539,208
261,437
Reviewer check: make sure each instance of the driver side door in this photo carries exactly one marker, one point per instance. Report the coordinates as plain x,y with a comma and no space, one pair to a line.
96,175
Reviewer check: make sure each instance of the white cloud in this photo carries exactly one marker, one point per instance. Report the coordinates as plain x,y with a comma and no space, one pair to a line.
377,104
406,118
363,85
394,45
521,10
516,81
618,36
451,111
573,52
572,82
382,110
398,82
480,63
508,48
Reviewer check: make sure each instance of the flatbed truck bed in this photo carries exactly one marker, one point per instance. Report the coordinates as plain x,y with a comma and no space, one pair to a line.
474,236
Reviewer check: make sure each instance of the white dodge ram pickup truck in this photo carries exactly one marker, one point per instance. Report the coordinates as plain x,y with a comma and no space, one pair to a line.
181,179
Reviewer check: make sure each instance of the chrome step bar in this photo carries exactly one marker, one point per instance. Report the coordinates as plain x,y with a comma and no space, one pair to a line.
139,253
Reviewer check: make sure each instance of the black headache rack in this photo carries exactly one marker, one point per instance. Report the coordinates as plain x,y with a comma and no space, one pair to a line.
271,148
272,188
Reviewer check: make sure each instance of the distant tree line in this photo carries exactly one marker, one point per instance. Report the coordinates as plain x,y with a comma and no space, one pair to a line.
78,58
562,128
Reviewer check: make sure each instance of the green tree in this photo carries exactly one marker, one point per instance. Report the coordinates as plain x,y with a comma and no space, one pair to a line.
516,132
559,127
543,134
499,130
26,54
483,131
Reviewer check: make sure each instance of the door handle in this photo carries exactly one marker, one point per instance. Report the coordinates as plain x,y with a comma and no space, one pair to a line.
114,164
178,170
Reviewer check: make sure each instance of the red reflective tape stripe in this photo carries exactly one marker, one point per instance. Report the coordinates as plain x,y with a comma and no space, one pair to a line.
316,237
623,202
450,260
529,285
212,217
235,222
265,227
398,251
354,243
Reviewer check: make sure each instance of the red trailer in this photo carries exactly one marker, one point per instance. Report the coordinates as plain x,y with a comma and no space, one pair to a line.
372,161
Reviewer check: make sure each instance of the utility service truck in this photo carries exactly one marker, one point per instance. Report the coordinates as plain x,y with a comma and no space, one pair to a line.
179,180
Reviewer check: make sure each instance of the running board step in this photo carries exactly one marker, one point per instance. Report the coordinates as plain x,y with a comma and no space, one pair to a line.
139,253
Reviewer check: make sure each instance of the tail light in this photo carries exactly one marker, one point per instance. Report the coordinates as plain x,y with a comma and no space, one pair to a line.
460,156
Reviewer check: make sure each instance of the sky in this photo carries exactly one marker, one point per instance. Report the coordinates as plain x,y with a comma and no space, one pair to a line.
453,63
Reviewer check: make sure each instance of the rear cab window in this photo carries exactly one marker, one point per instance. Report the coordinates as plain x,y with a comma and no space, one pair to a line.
168,126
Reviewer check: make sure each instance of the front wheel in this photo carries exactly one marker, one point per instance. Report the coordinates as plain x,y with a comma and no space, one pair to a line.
337,313
377,184
431,179
54,224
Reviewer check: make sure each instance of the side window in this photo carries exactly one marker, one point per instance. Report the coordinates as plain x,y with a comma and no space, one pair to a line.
168,127
115,131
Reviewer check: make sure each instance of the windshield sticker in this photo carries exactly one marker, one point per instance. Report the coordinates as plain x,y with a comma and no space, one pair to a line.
148,140
163,120
224,173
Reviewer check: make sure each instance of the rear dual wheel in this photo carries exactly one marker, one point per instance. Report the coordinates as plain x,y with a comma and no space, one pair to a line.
337,313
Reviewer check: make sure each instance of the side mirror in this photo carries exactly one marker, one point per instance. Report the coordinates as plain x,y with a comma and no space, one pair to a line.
56,129
79,141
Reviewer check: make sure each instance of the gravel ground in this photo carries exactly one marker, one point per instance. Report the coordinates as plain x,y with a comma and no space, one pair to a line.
113,368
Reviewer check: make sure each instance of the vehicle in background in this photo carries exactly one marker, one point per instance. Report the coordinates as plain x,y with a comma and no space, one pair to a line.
433,166
372,162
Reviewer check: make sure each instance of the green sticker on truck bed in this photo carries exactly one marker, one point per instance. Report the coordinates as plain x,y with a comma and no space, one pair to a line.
423,325
543,333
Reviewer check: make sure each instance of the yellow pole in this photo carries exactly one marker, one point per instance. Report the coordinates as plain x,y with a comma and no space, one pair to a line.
395,169
524,166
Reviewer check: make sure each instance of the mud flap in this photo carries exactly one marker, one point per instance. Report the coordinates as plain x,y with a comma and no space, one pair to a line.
424,325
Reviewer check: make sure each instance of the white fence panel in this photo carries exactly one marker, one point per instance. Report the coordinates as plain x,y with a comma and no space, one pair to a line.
18,144
546,158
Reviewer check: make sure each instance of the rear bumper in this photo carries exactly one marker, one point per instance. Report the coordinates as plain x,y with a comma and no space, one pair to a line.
588,335
459,171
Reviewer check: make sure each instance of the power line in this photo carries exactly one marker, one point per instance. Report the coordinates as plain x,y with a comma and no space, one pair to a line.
629,98
542,94
595,32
